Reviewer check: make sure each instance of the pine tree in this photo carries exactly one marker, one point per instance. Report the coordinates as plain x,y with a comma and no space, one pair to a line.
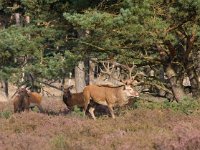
157,33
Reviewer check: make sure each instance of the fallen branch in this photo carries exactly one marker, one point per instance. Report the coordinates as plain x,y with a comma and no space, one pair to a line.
158,86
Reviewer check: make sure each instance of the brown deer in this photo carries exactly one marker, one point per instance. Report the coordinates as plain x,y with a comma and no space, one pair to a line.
25,100
72,99
20,101
108,95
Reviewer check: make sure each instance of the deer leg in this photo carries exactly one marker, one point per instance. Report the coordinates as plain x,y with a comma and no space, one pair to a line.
26,104
86,102
85,107
111,111
15,109
21,105
91,110
40,108
16,106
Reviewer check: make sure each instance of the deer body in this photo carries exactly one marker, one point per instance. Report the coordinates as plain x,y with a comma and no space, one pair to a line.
35,99
20,103
108,96
24,100
72,99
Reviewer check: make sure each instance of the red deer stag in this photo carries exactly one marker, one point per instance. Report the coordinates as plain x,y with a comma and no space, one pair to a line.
110,96
20,101
72,99
25,100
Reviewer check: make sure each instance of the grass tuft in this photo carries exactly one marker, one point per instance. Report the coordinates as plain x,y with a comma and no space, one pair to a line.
59,143
77,112
5,114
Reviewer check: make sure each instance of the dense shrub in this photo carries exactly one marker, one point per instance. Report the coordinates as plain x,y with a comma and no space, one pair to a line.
185,106
77,112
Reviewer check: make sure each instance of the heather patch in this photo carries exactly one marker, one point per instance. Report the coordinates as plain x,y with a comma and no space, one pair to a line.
147,126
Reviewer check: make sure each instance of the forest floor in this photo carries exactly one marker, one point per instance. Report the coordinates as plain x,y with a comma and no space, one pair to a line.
145,125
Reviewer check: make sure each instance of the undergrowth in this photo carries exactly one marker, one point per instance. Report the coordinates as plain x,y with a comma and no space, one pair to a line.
59,142
186,106
5,114
77,112
139,125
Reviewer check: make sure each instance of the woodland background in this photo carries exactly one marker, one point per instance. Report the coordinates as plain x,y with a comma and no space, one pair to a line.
53,43
47,40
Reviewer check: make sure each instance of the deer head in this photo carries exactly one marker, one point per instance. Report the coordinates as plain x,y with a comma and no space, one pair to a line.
66,92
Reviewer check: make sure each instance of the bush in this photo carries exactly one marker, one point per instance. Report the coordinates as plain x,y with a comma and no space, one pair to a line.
35,109
186,106
5,114
77,111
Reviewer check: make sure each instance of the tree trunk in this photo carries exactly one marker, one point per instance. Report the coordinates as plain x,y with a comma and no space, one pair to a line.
176,84
80,77
17,19
192,68
87,71
162,78
5,87
91,72
194,83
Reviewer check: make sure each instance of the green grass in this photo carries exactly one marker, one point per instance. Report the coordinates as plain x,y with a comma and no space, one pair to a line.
5,114
77,112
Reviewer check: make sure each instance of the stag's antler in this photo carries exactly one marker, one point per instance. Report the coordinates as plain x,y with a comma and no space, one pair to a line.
109,69
131,78
126,67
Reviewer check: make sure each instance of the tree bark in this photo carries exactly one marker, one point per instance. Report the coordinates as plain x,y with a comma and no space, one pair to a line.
80,77
17,19
176,84
5,86
91,72
87,71
194,82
